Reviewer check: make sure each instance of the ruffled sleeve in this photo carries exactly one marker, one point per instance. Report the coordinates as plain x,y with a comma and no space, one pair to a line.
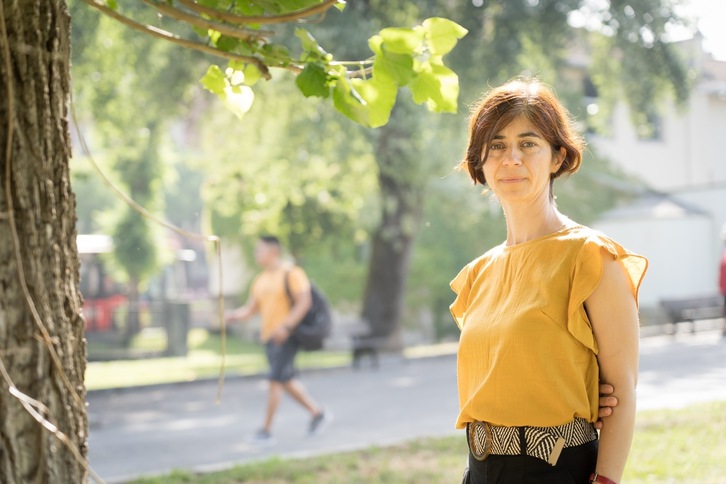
586,276
461,285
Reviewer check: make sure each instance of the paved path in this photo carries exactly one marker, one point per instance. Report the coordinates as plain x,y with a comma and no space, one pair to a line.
153,430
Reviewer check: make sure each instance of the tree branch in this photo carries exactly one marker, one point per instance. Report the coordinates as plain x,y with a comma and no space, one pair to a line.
228,30
163,34
265,19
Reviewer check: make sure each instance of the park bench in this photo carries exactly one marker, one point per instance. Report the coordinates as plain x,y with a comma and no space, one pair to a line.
692,309
363,344
351,333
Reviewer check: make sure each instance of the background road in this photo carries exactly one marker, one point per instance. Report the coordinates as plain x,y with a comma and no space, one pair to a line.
143,431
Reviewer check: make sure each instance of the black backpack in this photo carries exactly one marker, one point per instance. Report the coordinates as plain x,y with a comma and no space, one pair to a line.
311,332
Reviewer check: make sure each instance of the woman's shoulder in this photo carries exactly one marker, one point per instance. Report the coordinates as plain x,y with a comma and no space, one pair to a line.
486,257
586,236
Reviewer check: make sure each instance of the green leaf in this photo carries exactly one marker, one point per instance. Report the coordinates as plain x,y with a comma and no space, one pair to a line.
275,54
367,102
348,102
380,96
237,98
252,74
442,34
313,81
214,80
397,68
340,5
283,6
437,86
112,4
309,44
401,40
202,31
226,43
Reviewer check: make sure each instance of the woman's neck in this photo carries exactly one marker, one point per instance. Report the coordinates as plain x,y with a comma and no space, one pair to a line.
525,222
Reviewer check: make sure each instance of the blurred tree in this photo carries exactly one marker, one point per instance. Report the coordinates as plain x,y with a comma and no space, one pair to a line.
290,167
506,38
128,86
42,360
540,38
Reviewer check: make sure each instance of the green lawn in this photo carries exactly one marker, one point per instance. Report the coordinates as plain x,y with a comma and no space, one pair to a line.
670,446
203,361
243,357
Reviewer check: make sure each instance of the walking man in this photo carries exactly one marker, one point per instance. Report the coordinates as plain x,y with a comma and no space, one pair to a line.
269,297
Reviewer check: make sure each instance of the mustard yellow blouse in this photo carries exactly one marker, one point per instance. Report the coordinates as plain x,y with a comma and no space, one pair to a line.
527,353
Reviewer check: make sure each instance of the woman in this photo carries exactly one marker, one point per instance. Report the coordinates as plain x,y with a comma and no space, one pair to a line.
547,315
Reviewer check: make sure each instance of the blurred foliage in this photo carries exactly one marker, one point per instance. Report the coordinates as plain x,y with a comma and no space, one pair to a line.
294,167
126,91
291,168
364,90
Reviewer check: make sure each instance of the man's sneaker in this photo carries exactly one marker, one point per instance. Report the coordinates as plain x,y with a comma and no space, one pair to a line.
319,422
263,437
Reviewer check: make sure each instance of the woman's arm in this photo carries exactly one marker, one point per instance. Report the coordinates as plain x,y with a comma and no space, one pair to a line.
613,312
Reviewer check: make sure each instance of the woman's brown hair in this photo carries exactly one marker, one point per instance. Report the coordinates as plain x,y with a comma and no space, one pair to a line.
530,98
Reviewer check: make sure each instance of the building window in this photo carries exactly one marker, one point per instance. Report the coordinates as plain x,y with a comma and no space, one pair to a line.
649,127
598,118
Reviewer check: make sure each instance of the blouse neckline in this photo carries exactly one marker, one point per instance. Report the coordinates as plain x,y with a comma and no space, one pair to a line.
541,238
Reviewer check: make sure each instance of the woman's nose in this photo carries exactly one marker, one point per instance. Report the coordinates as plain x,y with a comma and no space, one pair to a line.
513,157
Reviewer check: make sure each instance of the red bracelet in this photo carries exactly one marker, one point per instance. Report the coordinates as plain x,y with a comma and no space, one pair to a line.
595,477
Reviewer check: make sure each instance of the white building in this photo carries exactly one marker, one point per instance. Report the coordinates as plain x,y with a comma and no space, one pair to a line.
678,226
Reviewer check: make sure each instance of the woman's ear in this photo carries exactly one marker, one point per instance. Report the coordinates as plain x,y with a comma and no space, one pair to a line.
558,158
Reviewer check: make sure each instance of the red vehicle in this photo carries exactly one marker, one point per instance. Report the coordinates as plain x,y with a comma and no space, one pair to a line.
102,296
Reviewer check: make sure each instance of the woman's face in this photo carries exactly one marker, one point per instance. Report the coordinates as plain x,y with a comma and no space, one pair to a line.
520,163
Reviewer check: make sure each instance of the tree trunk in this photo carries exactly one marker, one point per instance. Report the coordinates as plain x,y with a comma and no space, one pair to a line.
400,179
40,302
133,316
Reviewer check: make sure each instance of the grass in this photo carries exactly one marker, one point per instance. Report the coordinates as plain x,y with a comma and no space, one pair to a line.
670,446
680,446
204,360
243,357
421,461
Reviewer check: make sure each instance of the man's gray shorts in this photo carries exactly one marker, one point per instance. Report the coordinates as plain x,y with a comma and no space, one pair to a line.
281,359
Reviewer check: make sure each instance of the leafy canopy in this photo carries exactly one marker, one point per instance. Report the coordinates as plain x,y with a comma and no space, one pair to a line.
363,90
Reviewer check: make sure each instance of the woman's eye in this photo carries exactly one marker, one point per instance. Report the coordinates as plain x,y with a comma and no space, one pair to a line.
497,146
528,144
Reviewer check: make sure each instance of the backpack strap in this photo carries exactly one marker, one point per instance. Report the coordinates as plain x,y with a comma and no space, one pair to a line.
290,299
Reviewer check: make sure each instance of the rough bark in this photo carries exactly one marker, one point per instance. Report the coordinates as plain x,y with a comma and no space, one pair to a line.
401,184
40,265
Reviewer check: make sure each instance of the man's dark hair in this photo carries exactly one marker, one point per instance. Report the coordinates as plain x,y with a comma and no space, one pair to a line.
270,239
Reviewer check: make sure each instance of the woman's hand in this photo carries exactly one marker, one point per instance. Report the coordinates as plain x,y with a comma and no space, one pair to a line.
607,402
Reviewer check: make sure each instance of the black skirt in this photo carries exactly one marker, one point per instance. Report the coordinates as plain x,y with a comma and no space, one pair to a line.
573,467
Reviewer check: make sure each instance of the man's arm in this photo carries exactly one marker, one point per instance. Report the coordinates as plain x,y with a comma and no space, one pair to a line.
302,300
243,313
614,316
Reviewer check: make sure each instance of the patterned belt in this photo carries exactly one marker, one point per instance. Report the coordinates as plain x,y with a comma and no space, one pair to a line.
544,443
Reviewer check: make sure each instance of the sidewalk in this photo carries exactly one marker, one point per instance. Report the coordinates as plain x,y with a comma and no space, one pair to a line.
146,431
